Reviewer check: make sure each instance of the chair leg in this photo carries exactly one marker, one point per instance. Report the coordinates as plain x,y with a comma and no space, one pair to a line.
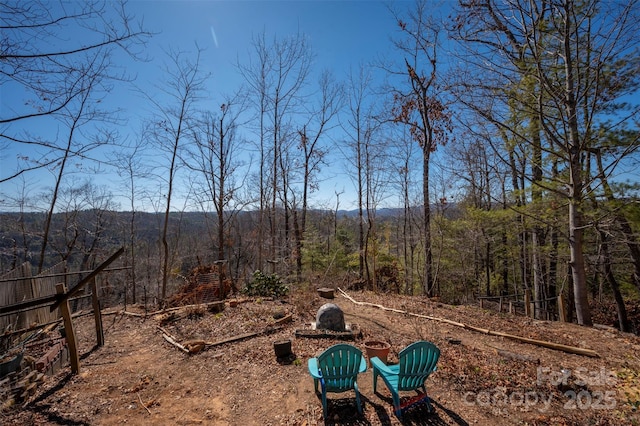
397,410
358,402
375,380
324,405
429,406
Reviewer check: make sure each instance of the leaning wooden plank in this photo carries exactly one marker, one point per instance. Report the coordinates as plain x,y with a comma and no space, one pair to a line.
61,297
550,345
70,333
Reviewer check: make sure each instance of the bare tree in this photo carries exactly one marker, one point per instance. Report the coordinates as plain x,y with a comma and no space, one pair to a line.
258,77
86,212
62,85
17,234
276,81
314,151
100,218
75,115
171,125
377,175
215,158
419,104
359,127
130,165
57,73
405,156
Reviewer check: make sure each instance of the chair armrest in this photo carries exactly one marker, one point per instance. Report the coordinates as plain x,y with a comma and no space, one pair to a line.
377,364
312,364
363,365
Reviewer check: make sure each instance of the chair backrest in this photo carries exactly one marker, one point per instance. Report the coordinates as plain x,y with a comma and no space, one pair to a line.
339,366
417,362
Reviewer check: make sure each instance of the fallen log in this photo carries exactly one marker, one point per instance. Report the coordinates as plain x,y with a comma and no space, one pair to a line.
550,345
217,305
169,338
195,346
285,319
318,334
131,314
244,336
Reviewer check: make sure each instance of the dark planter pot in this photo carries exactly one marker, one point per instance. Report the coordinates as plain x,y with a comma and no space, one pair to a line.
282,348
10,365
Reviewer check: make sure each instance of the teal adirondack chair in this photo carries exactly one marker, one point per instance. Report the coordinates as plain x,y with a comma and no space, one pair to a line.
336,369
417,362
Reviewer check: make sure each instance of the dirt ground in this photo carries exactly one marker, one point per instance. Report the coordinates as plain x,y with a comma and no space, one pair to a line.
138,378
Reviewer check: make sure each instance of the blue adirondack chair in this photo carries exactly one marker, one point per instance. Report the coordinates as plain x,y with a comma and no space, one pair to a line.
336,369
417,362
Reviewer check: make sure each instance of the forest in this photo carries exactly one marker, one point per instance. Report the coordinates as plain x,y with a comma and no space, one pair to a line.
509,152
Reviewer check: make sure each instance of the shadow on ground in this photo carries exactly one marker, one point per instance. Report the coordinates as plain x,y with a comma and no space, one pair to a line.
343,411
39,406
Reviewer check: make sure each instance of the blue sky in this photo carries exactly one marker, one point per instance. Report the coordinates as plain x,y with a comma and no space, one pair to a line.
341,33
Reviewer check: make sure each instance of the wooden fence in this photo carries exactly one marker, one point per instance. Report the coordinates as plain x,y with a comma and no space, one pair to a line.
20,285
510,303
58,304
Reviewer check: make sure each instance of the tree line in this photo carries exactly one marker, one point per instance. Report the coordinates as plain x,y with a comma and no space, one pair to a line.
502,129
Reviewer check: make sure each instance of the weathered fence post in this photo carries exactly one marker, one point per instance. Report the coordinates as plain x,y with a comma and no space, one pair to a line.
70,333
562,313
527,303
97,315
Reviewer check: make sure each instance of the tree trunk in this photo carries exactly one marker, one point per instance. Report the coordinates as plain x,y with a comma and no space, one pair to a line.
538,273
428,257
47,228
574,151
165,226
553,254
623,223
361,247
298,241
609,276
